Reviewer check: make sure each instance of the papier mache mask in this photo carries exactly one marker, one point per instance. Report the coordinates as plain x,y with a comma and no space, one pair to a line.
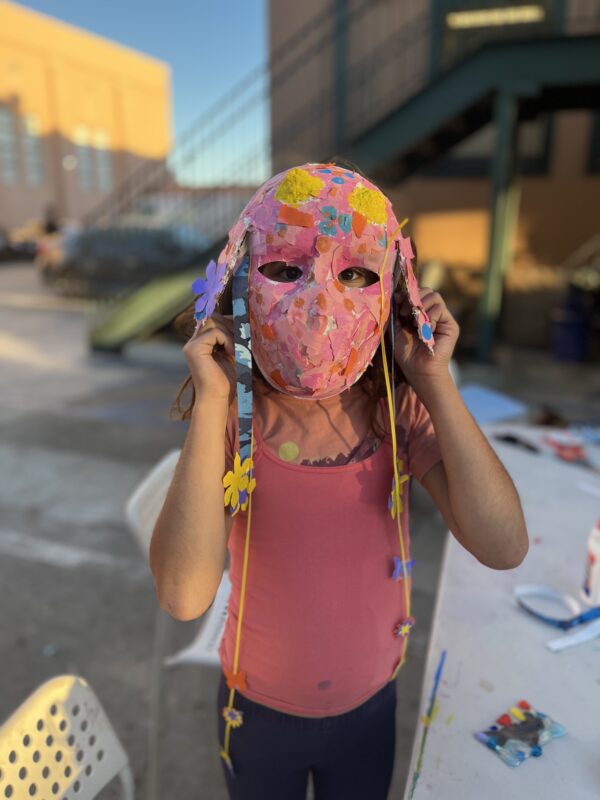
312,336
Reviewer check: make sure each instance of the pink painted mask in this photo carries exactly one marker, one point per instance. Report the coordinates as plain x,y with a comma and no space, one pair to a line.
314,330
314,333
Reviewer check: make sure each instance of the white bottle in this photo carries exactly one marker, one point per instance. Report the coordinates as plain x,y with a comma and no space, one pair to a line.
590,591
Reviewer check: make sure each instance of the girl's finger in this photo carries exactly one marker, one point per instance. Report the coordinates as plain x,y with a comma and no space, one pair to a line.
430,297
437,314
210,337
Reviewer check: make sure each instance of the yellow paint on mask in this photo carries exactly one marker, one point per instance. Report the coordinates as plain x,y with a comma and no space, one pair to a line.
368,202
298,186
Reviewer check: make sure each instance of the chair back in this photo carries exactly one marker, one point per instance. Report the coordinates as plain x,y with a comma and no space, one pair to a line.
59,743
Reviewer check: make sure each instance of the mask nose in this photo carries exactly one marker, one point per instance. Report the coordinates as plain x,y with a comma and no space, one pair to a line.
319,309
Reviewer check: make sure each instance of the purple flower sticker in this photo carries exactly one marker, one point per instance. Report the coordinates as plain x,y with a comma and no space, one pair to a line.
208,289
398,570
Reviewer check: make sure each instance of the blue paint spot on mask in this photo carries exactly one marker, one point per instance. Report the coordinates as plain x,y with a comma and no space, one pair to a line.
329,212
345,222
327,228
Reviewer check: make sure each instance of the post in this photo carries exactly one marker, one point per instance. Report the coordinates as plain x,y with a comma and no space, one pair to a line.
504,215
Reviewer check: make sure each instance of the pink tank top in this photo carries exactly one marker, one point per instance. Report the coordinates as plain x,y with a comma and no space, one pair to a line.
321,605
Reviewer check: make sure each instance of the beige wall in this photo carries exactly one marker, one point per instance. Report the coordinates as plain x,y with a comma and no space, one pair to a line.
450,219
76,88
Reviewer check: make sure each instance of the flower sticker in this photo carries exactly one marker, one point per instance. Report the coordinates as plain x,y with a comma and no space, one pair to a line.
403,628
232,716
209,289
392,497
239,483
236,680
399,569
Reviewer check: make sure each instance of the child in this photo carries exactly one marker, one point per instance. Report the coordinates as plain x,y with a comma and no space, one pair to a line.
317,527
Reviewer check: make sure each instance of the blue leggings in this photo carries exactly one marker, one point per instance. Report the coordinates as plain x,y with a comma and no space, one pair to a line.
350,755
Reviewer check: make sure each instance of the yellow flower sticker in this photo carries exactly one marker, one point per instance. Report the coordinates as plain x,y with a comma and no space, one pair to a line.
298,186
392,505
232,716
368,202
239,483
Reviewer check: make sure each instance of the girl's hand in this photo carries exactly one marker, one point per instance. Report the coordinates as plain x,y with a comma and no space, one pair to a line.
210,356
411,355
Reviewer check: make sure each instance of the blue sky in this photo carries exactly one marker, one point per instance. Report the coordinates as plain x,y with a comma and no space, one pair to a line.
209,45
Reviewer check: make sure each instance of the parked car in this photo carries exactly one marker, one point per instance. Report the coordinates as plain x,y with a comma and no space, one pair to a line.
100,262
15,251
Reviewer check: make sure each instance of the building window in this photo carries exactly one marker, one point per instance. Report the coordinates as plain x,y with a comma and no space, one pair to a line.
84,157
32,152
9,169
103,161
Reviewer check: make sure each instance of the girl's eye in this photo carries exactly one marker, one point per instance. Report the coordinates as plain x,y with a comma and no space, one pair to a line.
280,271
358,276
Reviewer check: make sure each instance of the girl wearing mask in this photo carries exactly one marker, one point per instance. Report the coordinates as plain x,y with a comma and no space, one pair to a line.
319,388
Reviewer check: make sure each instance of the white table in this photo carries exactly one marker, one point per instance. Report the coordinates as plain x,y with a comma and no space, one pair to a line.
496,653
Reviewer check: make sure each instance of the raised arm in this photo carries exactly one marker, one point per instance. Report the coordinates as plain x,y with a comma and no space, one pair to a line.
188,547
470,486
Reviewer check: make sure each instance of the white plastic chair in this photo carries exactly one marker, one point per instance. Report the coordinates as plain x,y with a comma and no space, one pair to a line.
141,511
60,743
144,505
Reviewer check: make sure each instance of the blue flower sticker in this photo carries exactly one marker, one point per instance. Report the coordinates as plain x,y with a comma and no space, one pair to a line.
208,289
398,570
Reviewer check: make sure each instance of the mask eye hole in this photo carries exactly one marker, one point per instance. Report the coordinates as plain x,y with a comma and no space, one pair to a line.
281,272
358,277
